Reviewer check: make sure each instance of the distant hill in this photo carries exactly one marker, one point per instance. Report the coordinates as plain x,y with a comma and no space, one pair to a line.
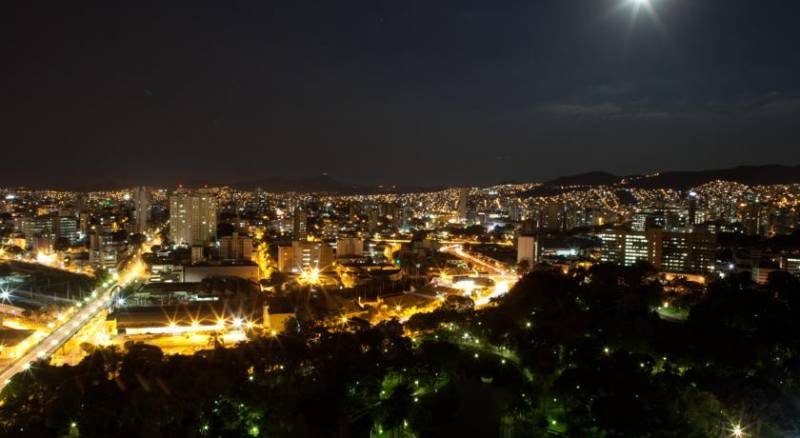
679,180
750,175
585,179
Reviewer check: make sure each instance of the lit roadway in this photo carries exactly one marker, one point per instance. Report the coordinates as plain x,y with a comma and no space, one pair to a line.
503,279
452,242
102,297
459,252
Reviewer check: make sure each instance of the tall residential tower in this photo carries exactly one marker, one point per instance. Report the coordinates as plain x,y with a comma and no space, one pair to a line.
141,200
192,217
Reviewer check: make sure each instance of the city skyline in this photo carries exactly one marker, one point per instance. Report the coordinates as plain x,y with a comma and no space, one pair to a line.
451,94
351,295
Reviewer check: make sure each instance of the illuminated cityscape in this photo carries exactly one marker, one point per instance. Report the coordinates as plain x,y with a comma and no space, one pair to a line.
583,237
275,264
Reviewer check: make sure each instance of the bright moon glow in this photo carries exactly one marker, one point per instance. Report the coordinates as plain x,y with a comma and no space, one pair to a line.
638,6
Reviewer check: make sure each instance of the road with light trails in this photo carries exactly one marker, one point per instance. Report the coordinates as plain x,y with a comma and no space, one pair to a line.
504,279
446,242
102,298
459,252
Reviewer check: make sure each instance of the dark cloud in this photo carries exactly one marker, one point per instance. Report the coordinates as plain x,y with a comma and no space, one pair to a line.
581,110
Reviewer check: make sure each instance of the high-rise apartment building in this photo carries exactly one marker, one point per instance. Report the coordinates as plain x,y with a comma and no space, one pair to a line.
372,219
635,249
612,246
692,209
66,227
300,224
527,251
193,217
552,216
141,201
463,203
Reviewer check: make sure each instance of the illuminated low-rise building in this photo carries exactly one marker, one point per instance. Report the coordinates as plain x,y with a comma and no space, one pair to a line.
242,269
267,314
791,264
612,246
235,247
623,247
635,249
349,247
303,254
686,252
761,272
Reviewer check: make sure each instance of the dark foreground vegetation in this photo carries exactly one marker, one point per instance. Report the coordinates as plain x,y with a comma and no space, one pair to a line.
577,355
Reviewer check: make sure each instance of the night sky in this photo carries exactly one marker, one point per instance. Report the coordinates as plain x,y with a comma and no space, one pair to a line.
411,92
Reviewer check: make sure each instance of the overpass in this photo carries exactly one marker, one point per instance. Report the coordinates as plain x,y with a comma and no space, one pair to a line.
100,299
498,271
491,265
62,334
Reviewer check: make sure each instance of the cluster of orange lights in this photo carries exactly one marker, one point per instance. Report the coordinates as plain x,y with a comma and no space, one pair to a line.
173,328
220,324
